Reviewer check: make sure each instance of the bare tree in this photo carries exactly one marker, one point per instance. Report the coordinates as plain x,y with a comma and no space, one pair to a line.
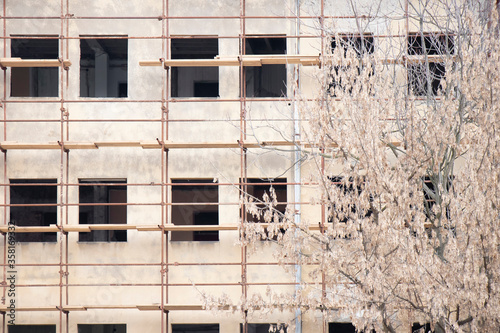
403,141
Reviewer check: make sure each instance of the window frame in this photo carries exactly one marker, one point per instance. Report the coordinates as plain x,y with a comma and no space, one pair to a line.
420,45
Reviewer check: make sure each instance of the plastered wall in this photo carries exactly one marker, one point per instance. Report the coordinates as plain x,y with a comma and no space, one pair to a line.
137,118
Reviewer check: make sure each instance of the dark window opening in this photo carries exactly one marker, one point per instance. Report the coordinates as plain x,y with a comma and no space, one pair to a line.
258,187
360,44
257,191
421,328
203,213
102,328
431,196
103,67
350,210
28,193
419,44
265,80
195,328
34,81
206,89
417,78
343,328
194,81
426,78
32,328
110,208
262,328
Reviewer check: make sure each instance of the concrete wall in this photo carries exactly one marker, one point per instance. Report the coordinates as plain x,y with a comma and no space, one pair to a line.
192,121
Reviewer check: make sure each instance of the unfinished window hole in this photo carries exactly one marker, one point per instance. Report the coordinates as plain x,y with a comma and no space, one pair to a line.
34,81
109,198
195,81
424,78
32,328
186,192
265,80
29,192
103,67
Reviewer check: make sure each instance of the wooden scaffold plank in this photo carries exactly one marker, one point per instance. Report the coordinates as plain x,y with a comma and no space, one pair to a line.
18,62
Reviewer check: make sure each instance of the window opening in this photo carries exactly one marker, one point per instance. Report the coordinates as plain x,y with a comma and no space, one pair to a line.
34,81
44,214
431,196
31,328
341,328
200,214
426,78
100,193
195,328
102,328
103,67
257,189
361,45
194,81
265,80
349,210
421,328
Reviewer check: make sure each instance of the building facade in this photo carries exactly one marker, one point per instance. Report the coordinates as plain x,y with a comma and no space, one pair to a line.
131,130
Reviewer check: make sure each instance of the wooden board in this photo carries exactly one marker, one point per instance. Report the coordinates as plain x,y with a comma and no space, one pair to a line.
173,227
73,308
76,228
182,307
79,145
16,145
52,228
237,60
118,144
6,145
69,308
110,226
148,227
203,62
148,307
18,62
150,63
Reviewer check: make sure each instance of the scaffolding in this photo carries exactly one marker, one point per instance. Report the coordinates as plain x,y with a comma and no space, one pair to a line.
160,229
